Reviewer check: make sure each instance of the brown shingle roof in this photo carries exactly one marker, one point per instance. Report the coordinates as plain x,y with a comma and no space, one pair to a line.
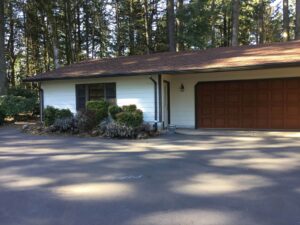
218,59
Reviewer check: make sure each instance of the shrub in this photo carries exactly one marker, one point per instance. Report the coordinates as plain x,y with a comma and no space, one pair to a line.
15,105
129,108
18,91
130,119
114,110
86,121
66,124
116,130
2,116
100,108
51,114
63,113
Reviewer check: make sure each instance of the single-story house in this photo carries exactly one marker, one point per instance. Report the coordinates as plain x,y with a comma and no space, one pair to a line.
255,87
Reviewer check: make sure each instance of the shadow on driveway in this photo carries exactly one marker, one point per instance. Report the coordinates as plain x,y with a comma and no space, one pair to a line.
169,180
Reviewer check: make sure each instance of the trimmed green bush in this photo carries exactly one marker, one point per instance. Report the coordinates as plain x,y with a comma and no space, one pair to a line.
100,108
114,110
18,91
129,108
2,116
130,119
15,105
51,114
19,101
63,113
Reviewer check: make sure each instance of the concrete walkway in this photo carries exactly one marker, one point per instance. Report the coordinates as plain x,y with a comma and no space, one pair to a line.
169,180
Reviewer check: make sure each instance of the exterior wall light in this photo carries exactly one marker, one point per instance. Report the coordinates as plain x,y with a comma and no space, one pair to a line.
182,88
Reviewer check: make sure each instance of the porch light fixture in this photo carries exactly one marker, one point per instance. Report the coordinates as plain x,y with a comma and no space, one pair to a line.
182,88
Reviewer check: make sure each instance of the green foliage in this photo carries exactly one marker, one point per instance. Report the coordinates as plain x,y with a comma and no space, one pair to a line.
114,110
130,118
19,101
15,105
51,114
129,108
2,116
100,108
18,91
63,113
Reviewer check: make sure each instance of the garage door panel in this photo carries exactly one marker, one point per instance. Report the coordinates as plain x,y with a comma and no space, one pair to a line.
292,111
292,123
220,122
220,111
277,98
276,84
206,111
276,123
234,123
262,84
262,97
249,122
292,84
207,122
273,103
262,111
220,99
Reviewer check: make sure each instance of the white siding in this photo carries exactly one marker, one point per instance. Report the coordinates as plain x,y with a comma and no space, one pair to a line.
139,90
183,103
130,90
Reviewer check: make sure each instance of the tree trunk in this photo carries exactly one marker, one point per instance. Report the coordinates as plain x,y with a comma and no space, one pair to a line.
131,29
225,33
3,78
78,24
87,29
119,48
286,20
261,25
171,25
213,23
179,23
297,31
235,22
68,33
11,45
146,24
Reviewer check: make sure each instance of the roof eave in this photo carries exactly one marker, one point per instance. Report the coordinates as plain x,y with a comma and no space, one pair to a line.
204,70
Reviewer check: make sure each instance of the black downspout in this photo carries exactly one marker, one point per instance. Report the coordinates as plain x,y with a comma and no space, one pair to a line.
41,95
160,97
155,101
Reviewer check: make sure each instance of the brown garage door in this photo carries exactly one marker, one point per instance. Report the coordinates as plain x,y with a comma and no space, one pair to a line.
272,103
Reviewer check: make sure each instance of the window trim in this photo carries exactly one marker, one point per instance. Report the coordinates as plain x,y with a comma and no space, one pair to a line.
87,92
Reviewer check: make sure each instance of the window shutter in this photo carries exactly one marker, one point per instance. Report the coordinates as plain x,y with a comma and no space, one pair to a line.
80,97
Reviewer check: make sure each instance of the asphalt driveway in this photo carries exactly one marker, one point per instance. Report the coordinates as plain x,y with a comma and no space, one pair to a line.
170,180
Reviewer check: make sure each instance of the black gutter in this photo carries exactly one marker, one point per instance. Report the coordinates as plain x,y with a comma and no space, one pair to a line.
155,100
210,70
